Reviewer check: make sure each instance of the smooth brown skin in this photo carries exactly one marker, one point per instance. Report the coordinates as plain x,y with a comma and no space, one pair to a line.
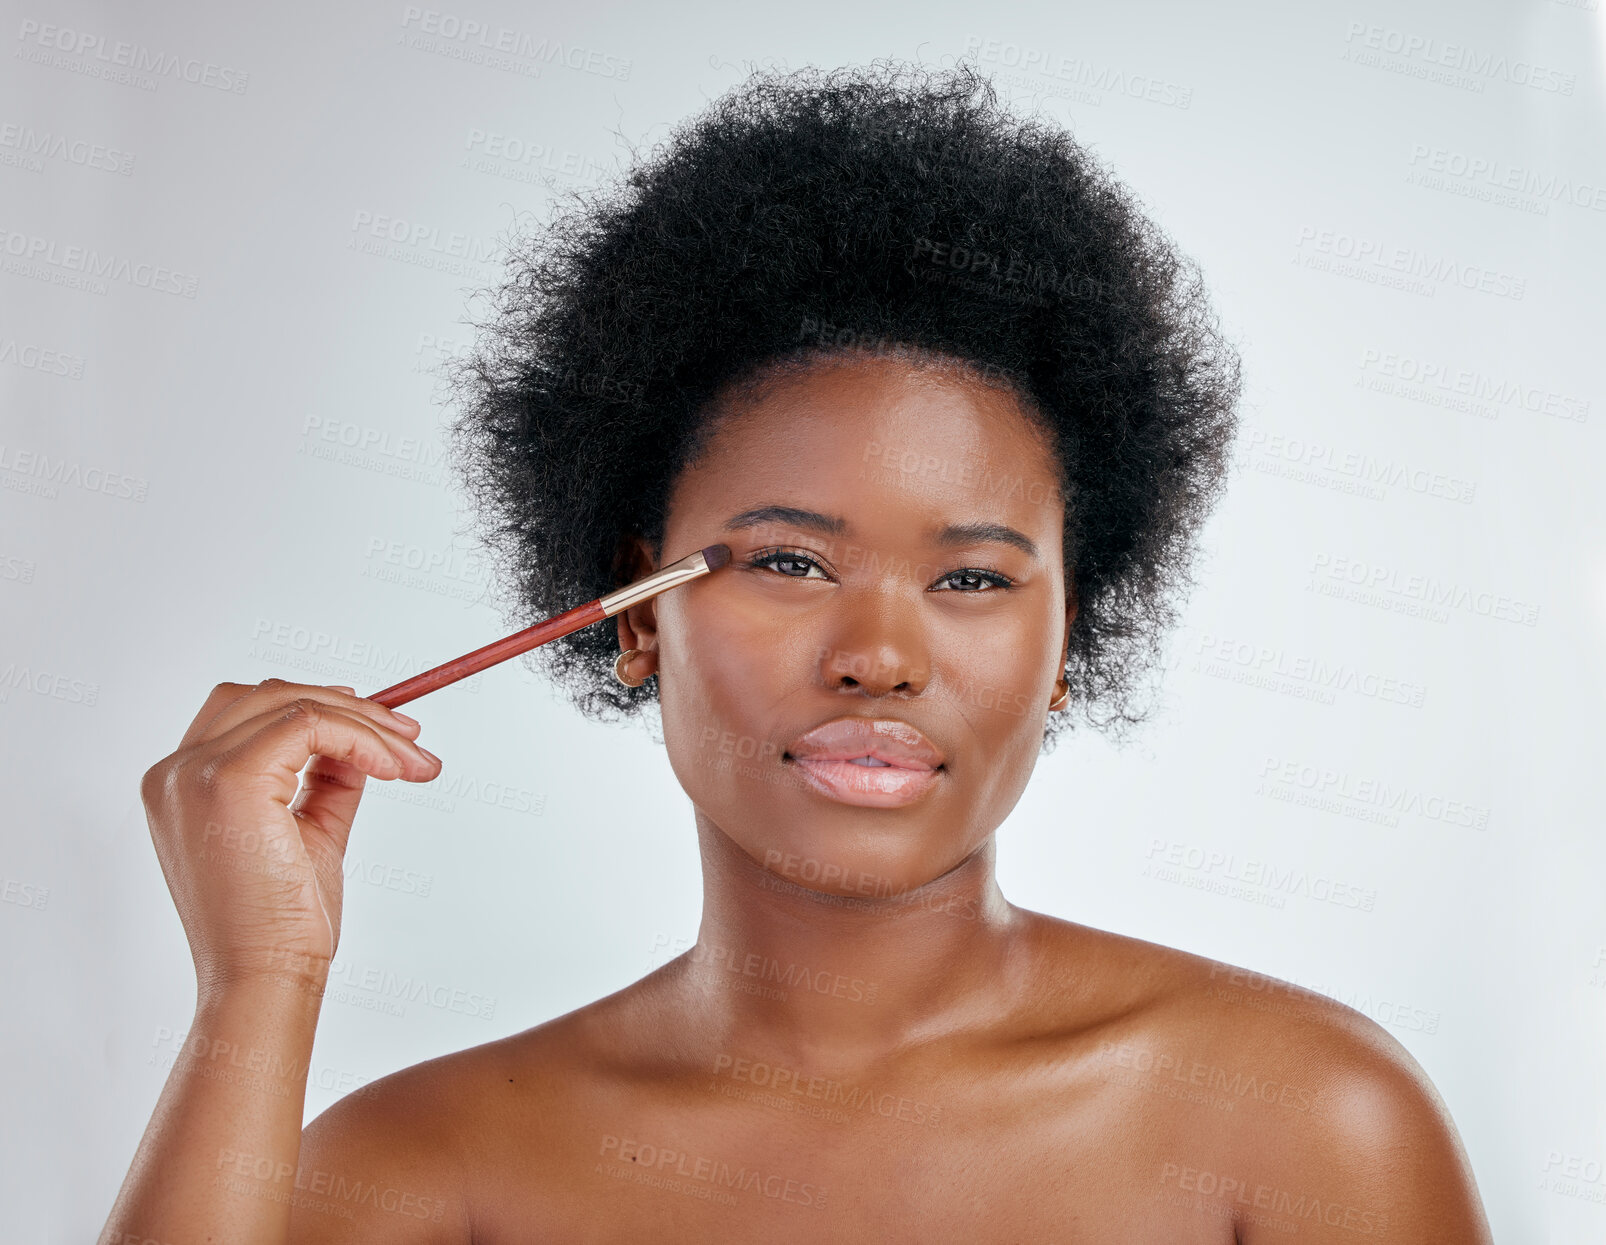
986,1074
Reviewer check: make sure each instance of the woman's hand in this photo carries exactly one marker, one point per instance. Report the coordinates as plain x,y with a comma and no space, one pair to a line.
254,867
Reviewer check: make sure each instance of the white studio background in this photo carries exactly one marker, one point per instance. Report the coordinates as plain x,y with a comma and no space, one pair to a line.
222,459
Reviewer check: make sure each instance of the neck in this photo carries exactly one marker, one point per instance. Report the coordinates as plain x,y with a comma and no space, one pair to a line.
787,972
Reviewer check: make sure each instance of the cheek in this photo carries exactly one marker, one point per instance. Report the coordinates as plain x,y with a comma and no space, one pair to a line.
1000,684
998,675
723,675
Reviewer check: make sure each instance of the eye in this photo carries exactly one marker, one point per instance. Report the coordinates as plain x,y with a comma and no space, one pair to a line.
968,581
776,557
992,579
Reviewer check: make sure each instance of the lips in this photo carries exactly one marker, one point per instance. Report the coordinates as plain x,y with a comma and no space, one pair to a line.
871,762
889,740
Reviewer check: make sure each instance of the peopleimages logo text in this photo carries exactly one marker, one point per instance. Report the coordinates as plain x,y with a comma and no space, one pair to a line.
135,57
514,42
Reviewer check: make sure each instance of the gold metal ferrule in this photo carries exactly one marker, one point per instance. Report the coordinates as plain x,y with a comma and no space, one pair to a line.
689,567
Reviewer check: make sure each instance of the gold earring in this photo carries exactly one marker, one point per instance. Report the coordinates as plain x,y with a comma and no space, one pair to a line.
1060,701
619,668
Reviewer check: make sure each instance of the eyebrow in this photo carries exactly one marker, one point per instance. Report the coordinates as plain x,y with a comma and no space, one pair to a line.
952,534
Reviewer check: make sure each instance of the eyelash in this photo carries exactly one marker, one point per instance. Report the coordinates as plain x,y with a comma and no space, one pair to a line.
767,557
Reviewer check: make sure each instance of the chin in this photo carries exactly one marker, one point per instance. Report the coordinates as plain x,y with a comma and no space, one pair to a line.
858,853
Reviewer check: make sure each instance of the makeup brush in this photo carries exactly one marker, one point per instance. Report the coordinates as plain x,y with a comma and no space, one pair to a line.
708,558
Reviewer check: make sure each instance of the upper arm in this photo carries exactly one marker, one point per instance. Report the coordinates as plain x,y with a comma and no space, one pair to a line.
378,1167
1382,1160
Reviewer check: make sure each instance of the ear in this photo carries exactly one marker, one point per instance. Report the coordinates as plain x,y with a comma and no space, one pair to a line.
638,625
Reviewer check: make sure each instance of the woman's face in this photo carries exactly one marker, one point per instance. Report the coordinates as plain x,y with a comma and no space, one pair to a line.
896,561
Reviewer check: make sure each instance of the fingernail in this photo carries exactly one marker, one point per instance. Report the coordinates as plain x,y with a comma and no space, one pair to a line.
429,754
404,718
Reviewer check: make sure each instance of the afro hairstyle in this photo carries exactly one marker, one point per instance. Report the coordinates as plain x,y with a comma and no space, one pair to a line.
805,215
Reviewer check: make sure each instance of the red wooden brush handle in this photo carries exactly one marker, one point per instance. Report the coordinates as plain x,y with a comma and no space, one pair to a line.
499,650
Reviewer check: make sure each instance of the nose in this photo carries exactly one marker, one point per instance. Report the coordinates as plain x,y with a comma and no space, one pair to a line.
878,649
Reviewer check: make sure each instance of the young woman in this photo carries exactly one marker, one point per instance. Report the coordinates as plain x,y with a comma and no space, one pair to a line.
958,411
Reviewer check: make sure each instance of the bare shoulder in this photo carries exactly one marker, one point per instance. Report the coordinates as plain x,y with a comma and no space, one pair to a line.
406,1157
386,1162
1291,1107
1374,1148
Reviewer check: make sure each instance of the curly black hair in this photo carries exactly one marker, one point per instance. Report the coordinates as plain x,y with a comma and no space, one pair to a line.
807,214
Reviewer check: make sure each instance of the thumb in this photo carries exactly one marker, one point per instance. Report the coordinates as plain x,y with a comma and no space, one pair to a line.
326,806
324,809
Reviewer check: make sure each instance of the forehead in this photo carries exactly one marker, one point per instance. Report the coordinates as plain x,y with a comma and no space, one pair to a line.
879,439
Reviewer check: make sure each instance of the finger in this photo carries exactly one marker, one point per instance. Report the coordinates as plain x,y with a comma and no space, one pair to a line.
394,719
276,745
223,695
272,694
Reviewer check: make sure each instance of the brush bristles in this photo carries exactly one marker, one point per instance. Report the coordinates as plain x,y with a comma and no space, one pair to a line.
716,556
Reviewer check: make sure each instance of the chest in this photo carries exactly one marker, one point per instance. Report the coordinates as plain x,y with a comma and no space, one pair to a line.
750,1157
